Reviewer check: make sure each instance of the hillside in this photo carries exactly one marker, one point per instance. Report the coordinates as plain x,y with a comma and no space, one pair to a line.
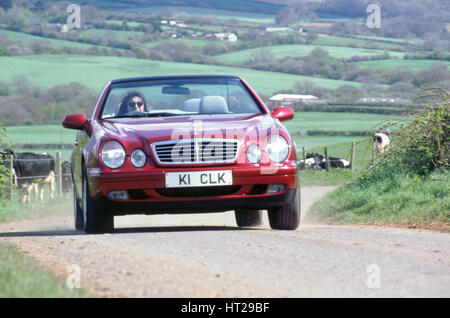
95,71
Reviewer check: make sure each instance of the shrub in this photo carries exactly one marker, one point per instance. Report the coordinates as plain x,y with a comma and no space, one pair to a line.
423,145
4,170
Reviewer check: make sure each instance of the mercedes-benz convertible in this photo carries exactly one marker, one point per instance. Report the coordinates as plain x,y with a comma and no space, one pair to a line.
183,144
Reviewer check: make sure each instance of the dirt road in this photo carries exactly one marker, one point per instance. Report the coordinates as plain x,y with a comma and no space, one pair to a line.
206,255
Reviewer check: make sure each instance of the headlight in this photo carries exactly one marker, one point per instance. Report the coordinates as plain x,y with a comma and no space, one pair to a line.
254,153
138,158
113,154
277,148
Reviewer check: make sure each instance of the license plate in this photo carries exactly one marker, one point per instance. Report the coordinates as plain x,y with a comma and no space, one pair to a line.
199,178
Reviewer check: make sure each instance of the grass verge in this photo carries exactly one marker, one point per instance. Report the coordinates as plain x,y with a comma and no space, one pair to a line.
333,177
400,200
15,211
20,276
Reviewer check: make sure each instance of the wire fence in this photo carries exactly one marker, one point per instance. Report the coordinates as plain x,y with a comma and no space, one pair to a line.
62,183
350,158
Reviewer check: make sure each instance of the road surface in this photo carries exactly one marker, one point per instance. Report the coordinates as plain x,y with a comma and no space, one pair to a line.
206,255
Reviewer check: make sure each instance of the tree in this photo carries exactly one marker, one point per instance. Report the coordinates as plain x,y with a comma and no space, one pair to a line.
261,56
6,4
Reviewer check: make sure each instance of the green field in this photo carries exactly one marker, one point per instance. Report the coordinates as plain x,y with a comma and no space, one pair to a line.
40,134
188,42
393,40
324,39
412,65
95,71
119,34
280,51
339,146
28,38
304,121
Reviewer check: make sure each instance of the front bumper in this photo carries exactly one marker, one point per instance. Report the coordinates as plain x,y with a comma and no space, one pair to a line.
196,206
147,193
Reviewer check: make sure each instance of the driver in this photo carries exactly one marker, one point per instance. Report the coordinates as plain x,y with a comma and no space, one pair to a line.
132,102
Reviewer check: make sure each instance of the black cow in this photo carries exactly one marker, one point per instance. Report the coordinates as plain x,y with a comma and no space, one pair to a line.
33,172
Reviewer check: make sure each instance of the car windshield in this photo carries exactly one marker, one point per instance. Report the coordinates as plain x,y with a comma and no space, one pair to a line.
175,97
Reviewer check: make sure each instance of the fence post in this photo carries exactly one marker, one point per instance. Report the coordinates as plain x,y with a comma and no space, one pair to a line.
304,158
352,162
58,173
327,162
11,176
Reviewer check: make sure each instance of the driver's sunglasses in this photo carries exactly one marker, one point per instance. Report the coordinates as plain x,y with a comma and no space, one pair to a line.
131,104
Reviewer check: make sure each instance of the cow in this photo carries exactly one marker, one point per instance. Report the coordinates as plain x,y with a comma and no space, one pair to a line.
380,143
312,160
66,171
33,172
317,162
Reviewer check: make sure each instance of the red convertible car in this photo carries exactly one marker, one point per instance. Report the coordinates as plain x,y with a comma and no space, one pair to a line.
183,144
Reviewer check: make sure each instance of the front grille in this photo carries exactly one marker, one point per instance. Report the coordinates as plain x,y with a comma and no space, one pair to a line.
196,151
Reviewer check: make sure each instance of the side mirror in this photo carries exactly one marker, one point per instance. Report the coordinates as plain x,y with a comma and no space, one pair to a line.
283,113
75,121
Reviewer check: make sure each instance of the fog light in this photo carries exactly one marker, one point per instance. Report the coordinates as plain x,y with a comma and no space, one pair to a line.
275,188
118,195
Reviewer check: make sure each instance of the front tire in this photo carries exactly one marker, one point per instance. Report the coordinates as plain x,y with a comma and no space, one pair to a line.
287,217
95,220
248,217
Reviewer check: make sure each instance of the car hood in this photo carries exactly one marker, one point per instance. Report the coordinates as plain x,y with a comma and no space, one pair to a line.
148,130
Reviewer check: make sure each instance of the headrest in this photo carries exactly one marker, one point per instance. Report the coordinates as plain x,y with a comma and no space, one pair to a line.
191,105
213,105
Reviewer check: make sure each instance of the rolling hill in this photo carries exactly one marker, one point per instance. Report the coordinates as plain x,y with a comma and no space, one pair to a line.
96,71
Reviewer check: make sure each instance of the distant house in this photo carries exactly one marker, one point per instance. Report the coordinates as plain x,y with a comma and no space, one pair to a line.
178,23
231,37
288,99
64,29
57,27
277,29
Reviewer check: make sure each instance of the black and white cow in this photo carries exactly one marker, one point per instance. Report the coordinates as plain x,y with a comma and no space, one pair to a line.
380,143
336,163
317,162
33,172
312,161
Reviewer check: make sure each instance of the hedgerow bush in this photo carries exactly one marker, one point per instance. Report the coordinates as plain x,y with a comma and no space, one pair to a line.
4,170
423,145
